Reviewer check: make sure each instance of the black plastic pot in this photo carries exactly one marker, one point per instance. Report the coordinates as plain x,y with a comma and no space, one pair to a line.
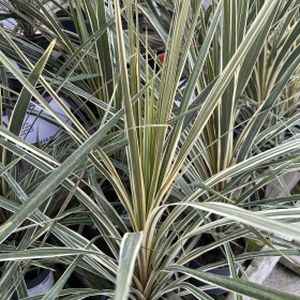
39,285
219,271
213,256
67,22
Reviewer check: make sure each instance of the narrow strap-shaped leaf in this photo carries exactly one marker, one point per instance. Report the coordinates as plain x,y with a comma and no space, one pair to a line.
16,121
134,158
239,286
196,291
290,40
4,81
52,23
232,264
41,193
19,112
12,268
48,252
193,107
8,167
155,23
35,93
188,92
56,289
45,84
243,10
247,217
258,120
130,247
218,89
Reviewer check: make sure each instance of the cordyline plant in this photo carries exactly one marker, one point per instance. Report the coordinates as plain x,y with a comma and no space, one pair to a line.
156,153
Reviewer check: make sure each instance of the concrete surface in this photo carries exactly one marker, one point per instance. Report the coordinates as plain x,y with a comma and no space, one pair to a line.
284,280
293,265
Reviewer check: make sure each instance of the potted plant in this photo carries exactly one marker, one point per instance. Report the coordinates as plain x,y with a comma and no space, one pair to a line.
178,163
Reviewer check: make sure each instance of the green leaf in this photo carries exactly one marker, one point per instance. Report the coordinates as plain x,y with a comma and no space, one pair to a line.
20,109
254,125
130,247
239,286
247,217
41,193
19,112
